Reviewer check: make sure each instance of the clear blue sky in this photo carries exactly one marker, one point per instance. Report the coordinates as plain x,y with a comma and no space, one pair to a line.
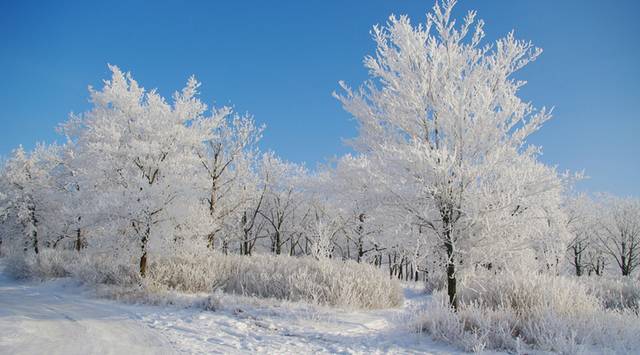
280,60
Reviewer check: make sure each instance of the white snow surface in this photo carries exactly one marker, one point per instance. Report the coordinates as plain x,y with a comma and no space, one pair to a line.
63,317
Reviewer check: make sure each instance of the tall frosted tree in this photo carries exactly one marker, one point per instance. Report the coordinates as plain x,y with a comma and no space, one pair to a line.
136,156
445,133
228,157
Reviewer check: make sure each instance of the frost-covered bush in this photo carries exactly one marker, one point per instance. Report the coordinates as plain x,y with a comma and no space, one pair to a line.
18,266
324,282
614,293
48,263
90,268
516,311
104,269
435,280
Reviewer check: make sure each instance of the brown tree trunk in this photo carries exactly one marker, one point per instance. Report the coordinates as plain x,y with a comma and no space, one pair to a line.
143,264
143,257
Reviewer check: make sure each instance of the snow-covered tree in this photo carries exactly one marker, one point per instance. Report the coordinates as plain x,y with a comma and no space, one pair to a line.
584,251
283,196
620,231
28,198
135,158
445,132
347,187
251,223
229,158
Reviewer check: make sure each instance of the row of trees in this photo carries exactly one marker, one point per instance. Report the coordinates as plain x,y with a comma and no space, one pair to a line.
442,179
138,176
605,234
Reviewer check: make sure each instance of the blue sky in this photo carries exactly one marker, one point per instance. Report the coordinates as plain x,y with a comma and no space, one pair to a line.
281,61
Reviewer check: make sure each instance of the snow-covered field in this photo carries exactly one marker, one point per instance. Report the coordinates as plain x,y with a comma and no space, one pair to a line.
63,317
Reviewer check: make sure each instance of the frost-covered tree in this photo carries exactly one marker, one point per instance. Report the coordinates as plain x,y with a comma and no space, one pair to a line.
136,156
620,231
445,133
283,196
328,223
74,211
347,187
28,198
251,223
584,251
228,158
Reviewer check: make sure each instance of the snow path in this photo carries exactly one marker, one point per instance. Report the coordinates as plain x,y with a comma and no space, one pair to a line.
55,318
61,317
245,325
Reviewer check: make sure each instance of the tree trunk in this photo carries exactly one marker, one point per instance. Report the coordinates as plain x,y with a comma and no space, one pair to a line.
245,246
599,267
577,261
447,225
34,232
78,245
143,257
277,248
143,264
625,263
360,231
451,270
35,241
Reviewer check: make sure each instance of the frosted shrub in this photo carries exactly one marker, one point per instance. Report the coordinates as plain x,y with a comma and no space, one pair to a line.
18,266
528,310
90,268
473,328
212,303
325,282
614,293
53,263
103,269
435,280
526,293
48,263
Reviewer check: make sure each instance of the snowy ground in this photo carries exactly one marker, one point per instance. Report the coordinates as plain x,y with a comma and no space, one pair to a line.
62,317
